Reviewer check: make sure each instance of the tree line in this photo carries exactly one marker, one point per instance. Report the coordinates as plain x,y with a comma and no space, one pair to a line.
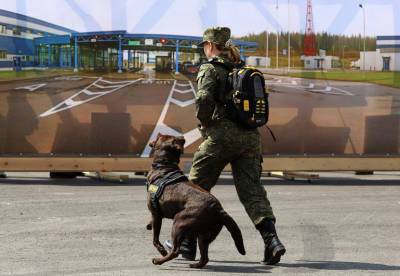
334,44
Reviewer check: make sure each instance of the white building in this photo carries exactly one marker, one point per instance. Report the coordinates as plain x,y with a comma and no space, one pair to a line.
320,62
258,61
17,34
385,58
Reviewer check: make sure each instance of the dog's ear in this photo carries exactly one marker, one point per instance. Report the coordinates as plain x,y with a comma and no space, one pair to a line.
180,142
153,143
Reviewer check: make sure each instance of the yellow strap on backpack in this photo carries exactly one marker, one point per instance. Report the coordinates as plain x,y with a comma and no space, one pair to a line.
246,105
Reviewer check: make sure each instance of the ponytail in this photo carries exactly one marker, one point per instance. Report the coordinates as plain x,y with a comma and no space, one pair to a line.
234,53
230,50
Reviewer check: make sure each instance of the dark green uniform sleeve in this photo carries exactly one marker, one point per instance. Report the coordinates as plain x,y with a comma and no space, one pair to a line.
206,88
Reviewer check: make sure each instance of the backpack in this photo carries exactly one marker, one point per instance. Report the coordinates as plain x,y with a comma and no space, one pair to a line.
245,96
248,98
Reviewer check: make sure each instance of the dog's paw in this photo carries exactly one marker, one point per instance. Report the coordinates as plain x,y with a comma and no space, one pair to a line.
163,252
198,265
149,226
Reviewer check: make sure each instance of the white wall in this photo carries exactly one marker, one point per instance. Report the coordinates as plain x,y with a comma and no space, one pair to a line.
374,61
262,61
327,63
394,60
312,62
35,26
371,61
309,62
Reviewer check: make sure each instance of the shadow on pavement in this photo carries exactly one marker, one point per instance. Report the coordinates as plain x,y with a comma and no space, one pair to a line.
80,181
83,181
239,269
256,267
339,265
247,267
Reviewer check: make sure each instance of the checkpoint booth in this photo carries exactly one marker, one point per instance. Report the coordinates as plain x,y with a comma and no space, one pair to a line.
108,50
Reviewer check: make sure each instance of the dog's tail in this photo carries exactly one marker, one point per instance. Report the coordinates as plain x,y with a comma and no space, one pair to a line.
234,229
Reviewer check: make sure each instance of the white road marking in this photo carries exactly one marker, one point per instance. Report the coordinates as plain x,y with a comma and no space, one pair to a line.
147,81
68,78
344,91
103,87
182,103
328,90
117,82
190,136
70,102
182,84
93,93
32,87
183,91
157,81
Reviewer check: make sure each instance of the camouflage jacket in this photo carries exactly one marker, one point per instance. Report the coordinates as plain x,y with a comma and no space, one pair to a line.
211,83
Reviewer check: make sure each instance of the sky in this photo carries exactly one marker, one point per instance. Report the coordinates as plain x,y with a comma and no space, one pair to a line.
191,17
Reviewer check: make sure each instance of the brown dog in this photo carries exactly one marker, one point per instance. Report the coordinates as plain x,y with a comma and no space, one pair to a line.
194,210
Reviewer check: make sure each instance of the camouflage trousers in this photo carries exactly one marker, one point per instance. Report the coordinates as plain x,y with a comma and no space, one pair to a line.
225,143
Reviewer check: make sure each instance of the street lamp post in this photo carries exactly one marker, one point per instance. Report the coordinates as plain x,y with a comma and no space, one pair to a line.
277,50
288,2
277,38
344,46
266,51
363,9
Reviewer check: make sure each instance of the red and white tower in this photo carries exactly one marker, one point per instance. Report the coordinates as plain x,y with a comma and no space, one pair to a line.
309,38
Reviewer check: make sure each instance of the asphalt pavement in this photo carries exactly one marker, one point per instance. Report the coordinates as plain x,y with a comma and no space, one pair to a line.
340,224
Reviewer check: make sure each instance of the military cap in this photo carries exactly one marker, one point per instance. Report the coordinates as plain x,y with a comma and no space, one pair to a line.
218,35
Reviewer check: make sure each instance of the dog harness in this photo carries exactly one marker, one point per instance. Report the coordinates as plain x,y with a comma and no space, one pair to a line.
156,187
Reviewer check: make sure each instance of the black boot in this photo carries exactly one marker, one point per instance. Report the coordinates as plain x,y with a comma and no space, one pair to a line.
273,249
187,249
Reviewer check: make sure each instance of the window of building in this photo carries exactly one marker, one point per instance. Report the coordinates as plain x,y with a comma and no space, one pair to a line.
3,54
17,31
3,29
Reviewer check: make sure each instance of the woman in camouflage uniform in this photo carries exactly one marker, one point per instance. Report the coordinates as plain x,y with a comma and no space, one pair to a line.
225,141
